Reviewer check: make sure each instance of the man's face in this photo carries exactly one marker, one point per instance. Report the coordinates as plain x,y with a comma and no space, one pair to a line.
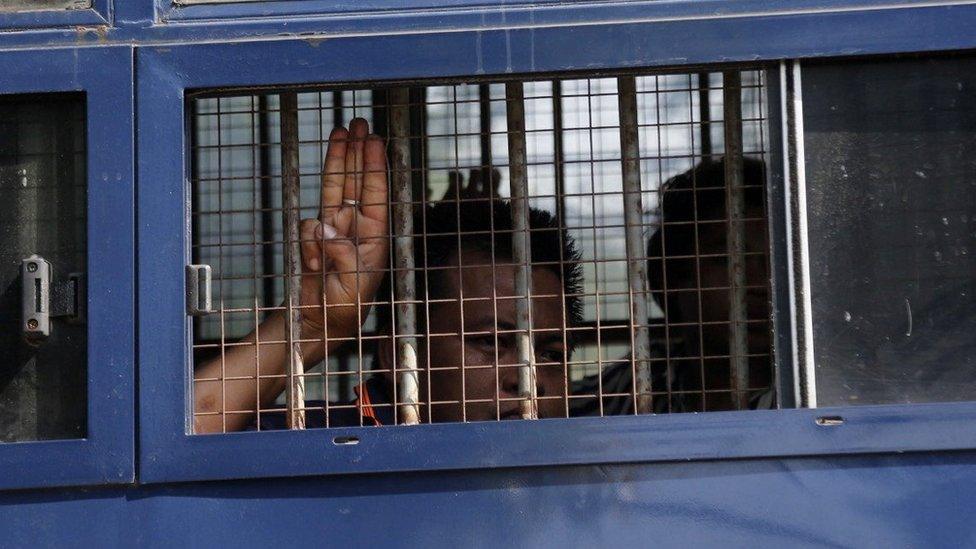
700,297
484,361
716,302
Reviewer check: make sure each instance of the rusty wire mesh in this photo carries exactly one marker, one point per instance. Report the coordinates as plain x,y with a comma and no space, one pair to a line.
670,312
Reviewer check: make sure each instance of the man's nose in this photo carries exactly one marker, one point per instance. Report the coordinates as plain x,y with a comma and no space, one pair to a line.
509,384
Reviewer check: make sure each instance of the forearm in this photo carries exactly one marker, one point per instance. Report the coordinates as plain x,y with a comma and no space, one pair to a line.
229,389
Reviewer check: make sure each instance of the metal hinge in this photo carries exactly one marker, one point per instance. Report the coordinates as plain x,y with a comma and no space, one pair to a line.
198,300
43,298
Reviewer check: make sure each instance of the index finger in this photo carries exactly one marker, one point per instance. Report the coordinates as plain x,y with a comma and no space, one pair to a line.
374,191
333,176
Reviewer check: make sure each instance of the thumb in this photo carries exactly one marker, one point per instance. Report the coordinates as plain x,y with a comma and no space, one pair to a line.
311,233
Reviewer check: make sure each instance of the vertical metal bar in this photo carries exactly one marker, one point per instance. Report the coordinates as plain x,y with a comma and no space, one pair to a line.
320,161
338,111
257,183
418,143
705,113
558,151
344,386
419,156
380,104
290,188
790,316
488,190
735,200
521,248
761,107
559,157
484,125
663,228
195,209
405,291
220,269
591,164
360,408
780,250
806,376
267,204
640,335
460,254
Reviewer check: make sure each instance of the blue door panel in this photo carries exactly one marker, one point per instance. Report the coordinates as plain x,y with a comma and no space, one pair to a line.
105,455
909,500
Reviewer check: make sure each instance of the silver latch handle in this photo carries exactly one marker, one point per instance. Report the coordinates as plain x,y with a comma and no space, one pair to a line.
198,297
36,296
43,298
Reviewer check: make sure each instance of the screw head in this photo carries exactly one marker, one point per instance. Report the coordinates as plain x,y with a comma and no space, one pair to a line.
32,324
32,267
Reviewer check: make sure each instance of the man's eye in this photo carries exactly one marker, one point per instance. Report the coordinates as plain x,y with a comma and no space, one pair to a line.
484,341
555,356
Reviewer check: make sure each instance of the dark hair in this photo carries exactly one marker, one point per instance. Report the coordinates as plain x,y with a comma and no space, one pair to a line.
698,194
486,226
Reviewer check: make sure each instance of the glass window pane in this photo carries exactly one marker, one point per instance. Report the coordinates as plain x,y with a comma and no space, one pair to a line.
43,379
38,5
891,175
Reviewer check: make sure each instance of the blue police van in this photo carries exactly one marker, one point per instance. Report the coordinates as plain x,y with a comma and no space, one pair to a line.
752,322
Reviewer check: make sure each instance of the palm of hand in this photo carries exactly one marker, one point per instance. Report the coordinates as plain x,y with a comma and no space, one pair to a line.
344,251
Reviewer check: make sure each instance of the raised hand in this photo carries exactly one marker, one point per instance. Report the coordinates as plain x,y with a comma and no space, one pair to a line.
344,255
345,250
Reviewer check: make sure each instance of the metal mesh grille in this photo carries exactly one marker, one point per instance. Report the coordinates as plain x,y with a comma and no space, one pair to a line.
631,208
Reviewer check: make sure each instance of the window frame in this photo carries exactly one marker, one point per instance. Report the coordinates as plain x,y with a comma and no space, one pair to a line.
106,454
492,13
789,28
168,453
98,13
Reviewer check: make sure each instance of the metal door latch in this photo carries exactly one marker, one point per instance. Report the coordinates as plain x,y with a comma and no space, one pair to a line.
198,300
43,298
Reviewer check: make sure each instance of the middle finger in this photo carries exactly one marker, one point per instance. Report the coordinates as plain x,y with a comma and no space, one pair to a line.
358,129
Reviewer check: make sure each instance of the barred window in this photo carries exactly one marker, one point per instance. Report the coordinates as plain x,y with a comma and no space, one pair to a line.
480,251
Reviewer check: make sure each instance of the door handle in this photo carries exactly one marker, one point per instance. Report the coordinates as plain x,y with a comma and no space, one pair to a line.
43,298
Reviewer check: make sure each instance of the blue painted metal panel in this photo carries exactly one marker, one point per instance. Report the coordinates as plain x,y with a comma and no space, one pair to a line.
134,14
515,51
106,455
283,8
897,501
671,32
168,453
644,9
